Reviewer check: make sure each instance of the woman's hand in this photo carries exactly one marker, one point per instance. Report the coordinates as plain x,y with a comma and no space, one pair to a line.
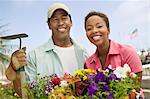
132,95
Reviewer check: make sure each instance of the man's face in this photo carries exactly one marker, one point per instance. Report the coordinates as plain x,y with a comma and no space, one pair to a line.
60,24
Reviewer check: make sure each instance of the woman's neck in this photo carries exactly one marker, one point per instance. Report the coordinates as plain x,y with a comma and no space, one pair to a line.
102,53
104,49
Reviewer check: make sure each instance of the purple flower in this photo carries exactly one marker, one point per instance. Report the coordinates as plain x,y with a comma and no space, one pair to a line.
49,88
101,77
93,88
90,78
32,84
47,93
119,79
112,76
110,96
105,88
109,69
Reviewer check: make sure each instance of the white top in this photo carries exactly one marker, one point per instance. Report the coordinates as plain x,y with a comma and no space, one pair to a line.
68,59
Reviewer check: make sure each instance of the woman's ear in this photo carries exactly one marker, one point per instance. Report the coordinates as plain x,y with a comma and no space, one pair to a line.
108,31
71,24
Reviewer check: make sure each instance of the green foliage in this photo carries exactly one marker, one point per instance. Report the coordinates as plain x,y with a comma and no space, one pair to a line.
38,88
7,92
3,48
124,87
4,57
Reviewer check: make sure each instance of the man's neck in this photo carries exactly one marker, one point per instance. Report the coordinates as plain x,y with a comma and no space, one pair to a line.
63,42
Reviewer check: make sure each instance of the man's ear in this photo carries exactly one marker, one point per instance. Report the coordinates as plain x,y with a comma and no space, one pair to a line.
49,25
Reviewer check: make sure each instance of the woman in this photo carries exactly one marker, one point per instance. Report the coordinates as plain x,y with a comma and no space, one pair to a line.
108,52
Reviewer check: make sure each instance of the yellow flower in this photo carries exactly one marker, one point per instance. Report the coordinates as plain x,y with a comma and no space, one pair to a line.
86,70
78,72
85,77
133,90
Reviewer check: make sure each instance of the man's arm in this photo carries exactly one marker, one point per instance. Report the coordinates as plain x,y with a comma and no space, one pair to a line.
15,78
10,73
18,60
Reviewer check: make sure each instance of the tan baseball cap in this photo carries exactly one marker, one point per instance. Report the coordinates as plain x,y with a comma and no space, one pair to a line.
56,6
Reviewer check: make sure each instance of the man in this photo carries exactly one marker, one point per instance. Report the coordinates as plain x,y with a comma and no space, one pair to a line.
59,55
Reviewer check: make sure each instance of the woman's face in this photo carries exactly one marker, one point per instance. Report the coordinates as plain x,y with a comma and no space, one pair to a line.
96,30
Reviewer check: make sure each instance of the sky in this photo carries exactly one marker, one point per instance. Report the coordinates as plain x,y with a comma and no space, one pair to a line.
125,16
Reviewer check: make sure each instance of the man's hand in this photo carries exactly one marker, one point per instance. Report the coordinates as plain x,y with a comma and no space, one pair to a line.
19,59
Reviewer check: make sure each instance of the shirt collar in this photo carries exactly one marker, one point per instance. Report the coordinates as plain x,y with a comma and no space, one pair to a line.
94,57
114,49
50,45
